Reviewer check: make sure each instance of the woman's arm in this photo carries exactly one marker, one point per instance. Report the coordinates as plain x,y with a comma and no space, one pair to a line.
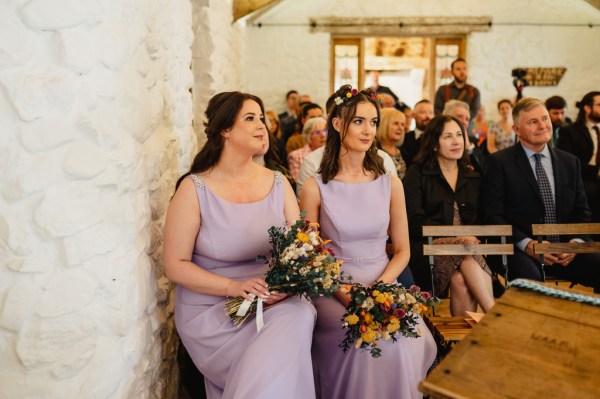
310,200
290,204
182,225
398,234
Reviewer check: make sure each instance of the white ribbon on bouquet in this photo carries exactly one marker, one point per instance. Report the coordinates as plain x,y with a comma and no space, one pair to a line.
245,306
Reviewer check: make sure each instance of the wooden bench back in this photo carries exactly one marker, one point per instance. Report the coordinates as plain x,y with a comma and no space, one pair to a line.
541,230
502,231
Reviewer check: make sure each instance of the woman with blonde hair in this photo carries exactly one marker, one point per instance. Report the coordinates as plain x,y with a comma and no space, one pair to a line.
390,134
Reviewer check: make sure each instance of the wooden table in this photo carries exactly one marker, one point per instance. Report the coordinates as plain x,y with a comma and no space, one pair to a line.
529,345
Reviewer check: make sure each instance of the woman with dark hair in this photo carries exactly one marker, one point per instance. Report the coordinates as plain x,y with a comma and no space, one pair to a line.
216,225
442,189
355,201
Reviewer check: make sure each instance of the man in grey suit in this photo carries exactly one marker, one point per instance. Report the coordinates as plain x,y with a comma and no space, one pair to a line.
531,183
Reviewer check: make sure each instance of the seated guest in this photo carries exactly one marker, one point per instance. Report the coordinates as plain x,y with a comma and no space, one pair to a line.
296,140
356,202
315,136
481,127
274,127
557,109
441,188
291,102
501,134
216,224
422,114
582,140
530,183
268,157
390,134
460,110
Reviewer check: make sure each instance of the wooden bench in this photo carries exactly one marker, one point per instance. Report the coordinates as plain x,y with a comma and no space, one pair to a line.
502,231
447,331
544,230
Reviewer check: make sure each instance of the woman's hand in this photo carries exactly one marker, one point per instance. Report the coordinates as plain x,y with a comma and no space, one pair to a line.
254,286
344,298
275,297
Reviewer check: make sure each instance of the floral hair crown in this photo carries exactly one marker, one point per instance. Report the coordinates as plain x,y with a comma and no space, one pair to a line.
353,93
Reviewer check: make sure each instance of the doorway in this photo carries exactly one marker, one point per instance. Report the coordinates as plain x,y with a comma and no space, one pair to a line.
413,67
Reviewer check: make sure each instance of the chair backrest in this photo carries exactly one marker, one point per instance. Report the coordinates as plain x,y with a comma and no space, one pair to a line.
541,230
502,231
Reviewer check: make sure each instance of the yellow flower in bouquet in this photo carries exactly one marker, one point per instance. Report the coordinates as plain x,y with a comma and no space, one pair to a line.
352,319
369,336
380,312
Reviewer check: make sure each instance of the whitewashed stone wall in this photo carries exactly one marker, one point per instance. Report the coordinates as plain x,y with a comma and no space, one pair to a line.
95,126
278,58
217,55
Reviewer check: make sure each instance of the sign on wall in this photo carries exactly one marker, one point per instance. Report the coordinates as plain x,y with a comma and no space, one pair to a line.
543,76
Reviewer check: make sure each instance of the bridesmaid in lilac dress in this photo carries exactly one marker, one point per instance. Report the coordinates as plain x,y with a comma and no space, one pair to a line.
355,202
216,225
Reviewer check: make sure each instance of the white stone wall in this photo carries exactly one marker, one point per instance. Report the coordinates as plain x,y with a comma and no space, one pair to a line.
95,126
217,55
278,58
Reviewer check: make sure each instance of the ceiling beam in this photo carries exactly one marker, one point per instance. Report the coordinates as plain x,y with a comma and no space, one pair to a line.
594,3
241,8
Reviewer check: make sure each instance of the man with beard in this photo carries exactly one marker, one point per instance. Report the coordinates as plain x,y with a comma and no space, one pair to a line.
581,139
531,183
423,113
557,108
458,89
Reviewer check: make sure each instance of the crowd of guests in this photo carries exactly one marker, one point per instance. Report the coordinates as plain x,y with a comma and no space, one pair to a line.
356,171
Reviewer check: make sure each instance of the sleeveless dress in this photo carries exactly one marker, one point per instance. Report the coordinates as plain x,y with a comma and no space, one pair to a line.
355,216
241,362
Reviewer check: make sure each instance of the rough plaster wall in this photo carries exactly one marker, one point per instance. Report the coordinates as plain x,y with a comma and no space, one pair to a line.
280,50
95,126
217,52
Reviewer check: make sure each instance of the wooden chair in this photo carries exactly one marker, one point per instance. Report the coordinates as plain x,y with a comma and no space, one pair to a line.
542,230
502,231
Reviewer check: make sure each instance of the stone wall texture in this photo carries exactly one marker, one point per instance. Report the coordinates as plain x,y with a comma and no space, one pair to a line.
95,126
286,55
217,55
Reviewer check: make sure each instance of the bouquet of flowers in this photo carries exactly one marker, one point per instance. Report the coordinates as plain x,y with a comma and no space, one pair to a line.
299,265
380,312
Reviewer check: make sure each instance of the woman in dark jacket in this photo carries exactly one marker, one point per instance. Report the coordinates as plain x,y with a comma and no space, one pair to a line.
441,188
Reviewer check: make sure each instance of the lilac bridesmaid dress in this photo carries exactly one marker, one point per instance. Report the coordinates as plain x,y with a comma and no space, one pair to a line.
355,216
241,362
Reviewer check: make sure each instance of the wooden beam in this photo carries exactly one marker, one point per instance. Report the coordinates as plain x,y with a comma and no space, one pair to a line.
594,3
241,8
430,26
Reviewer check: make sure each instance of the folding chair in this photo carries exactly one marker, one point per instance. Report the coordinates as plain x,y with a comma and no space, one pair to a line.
502,231
541,230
